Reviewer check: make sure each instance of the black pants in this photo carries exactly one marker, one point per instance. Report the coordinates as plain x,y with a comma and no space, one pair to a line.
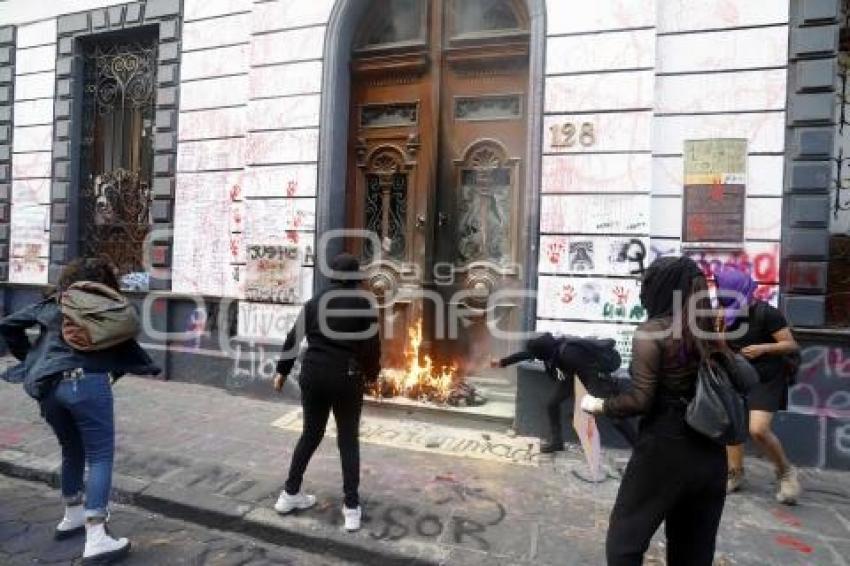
561,391
319,396
675,476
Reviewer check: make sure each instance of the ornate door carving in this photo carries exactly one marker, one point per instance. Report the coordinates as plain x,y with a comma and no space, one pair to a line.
438,135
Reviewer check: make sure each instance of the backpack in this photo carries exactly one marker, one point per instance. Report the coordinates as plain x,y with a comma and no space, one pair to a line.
96,317
790,362
718,409
603,351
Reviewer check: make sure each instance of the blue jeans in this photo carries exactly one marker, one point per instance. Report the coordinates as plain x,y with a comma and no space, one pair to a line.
80,412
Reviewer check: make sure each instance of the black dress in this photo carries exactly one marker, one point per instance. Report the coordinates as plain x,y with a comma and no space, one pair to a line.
771,393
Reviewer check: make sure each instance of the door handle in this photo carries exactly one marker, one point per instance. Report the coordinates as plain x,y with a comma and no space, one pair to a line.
442,219
420,220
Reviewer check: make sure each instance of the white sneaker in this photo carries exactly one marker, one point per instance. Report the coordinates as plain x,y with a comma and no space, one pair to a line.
789,487
72,524
102,548
352,518
288,503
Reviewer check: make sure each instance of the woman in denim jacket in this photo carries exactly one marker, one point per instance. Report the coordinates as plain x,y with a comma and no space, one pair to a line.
74,390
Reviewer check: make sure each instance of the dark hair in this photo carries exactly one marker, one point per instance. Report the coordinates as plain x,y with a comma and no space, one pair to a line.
97,269
697,297
676,287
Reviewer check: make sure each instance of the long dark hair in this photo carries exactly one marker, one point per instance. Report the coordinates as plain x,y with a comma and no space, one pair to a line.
676,287
97,269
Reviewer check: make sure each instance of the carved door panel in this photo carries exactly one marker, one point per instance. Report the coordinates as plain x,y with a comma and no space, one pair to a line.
479,236
437,128
391,162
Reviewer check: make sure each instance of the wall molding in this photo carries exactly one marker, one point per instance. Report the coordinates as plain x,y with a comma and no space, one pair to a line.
7,108
166,17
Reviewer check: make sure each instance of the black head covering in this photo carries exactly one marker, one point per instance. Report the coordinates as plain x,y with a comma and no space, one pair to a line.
664,277
541,347
346,269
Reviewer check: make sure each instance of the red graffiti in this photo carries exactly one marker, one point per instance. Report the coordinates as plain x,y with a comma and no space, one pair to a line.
621,295
291,188
12,436
717,191
554,251
786,518
568,293
292,236
794,544
235,192
765,293
827,361
763,267
697,228
234,248
803,275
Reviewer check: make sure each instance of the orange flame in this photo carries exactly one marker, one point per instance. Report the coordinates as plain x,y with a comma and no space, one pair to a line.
420,379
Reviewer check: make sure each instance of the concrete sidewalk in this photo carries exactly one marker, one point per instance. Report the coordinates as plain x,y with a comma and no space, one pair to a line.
201,454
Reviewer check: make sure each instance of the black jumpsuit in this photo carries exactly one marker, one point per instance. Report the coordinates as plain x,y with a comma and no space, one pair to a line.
333,375
675,475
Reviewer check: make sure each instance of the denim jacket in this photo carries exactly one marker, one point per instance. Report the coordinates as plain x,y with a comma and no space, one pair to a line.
42,361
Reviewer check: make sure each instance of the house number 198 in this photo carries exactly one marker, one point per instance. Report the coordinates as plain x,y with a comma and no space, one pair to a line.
566,135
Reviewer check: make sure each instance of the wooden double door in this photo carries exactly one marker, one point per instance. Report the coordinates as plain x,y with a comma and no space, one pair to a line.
438,139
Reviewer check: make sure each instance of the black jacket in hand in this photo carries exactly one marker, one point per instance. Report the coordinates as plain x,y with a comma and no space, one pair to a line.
348,312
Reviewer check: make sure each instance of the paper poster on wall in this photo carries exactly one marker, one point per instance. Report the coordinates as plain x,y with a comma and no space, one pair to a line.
273,274
714,191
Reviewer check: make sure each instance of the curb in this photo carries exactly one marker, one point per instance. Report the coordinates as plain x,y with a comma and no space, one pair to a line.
226,514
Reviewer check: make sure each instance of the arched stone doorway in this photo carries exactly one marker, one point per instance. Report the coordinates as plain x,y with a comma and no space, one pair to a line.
492,157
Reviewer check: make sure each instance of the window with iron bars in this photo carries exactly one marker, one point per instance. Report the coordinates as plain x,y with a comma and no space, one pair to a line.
116,152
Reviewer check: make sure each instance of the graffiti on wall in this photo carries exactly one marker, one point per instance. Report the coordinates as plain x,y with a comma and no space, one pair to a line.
760,260
823,383
590,299
593,255
273,274
591,214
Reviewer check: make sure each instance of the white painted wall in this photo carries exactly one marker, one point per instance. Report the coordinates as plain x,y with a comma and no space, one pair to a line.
647,75
718,76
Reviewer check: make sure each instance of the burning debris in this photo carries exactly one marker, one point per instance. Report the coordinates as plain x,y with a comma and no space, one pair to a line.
422,380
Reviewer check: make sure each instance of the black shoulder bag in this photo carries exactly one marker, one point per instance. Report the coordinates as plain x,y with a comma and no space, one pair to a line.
719,407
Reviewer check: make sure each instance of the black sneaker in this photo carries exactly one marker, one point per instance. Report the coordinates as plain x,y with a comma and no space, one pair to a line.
550,447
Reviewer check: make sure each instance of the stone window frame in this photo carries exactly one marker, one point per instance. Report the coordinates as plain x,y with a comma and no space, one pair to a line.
7,105
167,17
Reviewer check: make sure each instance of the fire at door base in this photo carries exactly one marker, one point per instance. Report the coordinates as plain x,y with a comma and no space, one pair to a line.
499,408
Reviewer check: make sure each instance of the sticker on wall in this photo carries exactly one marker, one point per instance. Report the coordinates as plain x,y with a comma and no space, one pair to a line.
715,190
